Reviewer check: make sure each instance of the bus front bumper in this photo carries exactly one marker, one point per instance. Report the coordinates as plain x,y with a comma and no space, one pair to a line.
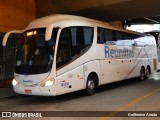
35,90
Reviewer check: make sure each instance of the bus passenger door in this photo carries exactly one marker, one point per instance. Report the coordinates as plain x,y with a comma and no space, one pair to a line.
69,64
70,75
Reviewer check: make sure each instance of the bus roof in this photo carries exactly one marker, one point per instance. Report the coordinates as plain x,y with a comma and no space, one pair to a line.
49,20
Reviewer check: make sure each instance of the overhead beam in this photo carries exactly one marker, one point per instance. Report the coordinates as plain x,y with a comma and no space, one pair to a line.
144,20
156,22
65,6
105,10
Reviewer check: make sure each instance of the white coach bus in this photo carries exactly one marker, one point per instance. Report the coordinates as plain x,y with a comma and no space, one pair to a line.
59,54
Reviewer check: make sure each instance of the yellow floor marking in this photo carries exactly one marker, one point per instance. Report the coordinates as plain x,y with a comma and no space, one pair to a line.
130,104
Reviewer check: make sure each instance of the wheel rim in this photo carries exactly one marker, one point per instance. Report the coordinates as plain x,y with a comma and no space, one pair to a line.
142,76
90,84
147,73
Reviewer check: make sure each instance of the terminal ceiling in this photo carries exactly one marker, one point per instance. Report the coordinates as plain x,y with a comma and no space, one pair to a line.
133,11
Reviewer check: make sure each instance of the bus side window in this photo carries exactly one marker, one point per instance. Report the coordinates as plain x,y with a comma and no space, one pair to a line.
124,39
109,37
100,35
82,37
118,35
105,36
64,48
72,41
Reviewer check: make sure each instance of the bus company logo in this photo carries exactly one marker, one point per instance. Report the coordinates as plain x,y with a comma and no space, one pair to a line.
27,81
21,114
118,53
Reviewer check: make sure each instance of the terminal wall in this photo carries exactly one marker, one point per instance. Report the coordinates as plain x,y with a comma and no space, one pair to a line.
16,14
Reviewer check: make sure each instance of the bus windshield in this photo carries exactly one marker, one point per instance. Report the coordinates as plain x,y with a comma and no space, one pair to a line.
34,55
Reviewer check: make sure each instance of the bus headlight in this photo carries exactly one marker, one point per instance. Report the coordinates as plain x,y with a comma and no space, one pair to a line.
48,83
14,82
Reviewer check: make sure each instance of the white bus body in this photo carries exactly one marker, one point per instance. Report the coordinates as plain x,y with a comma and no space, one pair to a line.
59,54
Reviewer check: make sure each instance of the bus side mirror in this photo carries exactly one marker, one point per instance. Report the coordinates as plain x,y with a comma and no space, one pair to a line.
48,33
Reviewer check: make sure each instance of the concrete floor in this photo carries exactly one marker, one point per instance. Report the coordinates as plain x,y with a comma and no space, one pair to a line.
129,95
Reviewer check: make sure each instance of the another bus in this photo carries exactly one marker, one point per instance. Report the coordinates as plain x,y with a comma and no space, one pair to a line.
59,54
156,34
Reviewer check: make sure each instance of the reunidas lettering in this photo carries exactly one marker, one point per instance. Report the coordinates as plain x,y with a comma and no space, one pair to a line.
118,53
27,81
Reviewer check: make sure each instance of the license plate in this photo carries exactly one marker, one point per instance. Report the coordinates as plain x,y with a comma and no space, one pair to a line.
28,91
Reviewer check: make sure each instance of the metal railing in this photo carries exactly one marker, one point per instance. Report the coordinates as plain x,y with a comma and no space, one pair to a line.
1,74
7,64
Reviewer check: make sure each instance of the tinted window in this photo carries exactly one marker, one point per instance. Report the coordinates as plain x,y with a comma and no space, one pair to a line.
34,55
100,35
105,36
73,42
133,36
108,35
81,38
123,39
119,35
126,36
113,37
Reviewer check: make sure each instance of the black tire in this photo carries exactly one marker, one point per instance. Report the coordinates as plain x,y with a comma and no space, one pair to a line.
91,85
148,72
142,74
